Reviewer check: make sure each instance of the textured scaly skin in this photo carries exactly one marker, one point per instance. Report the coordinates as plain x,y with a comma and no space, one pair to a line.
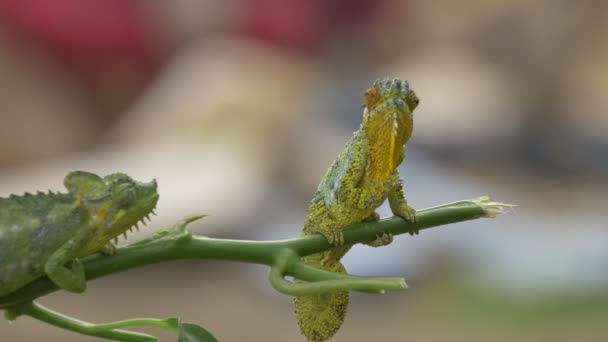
362,177
46,233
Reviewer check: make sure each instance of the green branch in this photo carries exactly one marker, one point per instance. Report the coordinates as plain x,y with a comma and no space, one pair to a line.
111,331
178,244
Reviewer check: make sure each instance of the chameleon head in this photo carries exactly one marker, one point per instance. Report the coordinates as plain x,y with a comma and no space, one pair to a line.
128,201
388,118
114,203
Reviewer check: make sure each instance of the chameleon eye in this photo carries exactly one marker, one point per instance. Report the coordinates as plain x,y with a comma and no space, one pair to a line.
412,100
123,194
372,97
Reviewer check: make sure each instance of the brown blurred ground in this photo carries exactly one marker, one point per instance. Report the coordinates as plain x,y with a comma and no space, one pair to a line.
238,109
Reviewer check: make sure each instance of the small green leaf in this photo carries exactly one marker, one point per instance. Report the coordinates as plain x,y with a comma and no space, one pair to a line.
190,332
172,323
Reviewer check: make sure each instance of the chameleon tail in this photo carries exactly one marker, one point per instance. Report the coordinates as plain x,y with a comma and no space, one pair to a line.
320,316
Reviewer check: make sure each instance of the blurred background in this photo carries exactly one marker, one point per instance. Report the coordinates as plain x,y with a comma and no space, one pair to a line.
238,108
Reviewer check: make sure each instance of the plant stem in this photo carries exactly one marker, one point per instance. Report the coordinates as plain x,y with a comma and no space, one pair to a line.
107,331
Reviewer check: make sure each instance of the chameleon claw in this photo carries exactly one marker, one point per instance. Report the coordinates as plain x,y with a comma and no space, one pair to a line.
381,240
407,213
108,249
388,237
335,238
411,214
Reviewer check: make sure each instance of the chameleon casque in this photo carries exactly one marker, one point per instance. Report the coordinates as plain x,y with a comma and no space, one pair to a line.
46,233
362,177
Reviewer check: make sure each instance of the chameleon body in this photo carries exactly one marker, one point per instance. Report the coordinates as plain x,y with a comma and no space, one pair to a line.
46,233
362,177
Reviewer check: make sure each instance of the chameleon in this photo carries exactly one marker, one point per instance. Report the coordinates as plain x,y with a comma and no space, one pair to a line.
45,234
362,177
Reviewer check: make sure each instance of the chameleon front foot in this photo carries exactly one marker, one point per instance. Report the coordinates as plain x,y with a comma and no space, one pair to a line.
407,213
71,279
109,249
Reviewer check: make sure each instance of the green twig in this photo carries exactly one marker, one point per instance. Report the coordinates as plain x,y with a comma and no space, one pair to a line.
107,331
323,281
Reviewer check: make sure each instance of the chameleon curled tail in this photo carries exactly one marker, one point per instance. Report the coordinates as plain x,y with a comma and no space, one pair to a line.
320,316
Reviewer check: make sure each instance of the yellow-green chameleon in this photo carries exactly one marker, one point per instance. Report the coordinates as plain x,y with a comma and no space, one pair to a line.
360,179
46,233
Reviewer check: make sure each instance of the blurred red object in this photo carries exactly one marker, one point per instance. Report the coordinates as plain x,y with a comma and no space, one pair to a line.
295,24
305,25
94,37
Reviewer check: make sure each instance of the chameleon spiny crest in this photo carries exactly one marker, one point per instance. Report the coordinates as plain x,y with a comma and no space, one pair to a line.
46,233
362,177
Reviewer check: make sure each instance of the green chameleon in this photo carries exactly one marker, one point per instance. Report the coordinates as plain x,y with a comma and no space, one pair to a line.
46,233
360,179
